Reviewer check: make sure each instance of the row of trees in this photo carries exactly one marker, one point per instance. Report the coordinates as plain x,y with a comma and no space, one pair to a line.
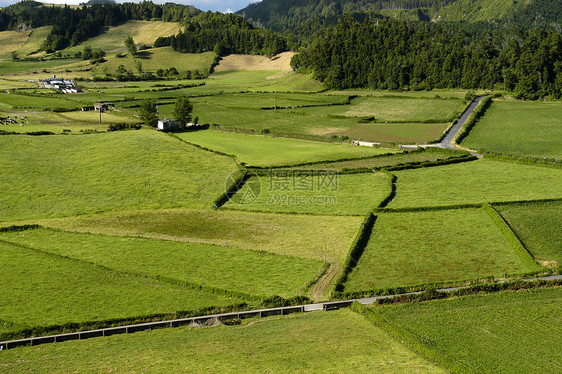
393,54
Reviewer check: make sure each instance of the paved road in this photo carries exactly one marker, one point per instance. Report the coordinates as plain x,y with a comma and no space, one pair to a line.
453,131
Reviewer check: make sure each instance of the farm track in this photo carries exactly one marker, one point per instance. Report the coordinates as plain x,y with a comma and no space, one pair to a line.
212,319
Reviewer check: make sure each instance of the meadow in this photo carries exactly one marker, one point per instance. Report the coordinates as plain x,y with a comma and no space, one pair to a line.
522,128
276,345
403,133
34,42
378,161
270,151
475,182
275,233
503,332
434,246
210,266
538,227
36,102
40,289
321,193
54,176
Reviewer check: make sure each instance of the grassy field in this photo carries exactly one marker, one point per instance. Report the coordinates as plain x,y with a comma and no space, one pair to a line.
226,268
400,109
38,102
270,151
142,32
526,128
508,332
397,132
39,289
380,161
276,233
538,226
33,68
49,121
54,176
93,117
35,41
475,182
424,247
159,58
264,80
297,343
11,41
322,194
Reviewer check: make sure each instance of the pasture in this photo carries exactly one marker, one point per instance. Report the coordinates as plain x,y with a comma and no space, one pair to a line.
275,233
34,42
520,128
41,289
403,133
504,332
275,344
54,176
317,193
210,266
435,246
270,151
11,41
538,226
475,182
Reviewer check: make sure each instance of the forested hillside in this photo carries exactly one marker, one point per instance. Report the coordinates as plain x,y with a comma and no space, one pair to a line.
304,17
394,54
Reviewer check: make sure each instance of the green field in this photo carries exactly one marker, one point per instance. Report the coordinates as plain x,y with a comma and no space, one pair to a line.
222,267
10,101
314,342
34,42
436,246
322,194
538,226
404,133
270,151
58,175
508,332
276,233
523,128
381,161
399,109
475,182
39,289
11,41
53,122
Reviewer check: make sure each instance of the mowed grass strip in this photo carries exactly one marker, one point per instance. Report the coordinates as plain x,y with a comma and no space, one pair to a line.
475,182
276,233
320,194
54,176
274,345
39,289
521,128
226,268
469,334
439,246
269,151
538,226
397,132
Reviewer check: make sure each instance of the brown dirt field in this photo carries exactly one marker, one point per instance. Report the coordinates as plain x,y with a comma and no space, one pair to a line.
251,62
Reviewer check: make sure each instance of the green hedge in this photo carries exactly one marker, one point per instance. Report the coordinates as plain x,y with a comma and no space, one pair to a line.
519,248
525,160
473,119
356,250
238,181
18,228
391,189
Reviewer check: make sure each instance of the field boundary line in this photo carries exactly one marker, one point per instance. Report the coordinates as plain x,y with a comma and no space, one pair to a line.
555,280
464,206
525,256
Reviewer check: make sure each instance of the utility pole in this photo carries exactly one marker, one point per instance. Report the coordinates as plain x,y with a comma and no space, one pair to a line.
99,107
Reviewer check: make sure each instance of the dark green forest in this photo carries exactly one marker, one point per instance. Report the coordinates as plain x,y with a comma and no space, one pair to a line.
394,54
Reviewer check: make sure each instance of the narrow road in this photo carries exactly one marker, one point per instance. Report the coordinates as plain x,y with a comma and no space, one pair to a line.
453,131
203,320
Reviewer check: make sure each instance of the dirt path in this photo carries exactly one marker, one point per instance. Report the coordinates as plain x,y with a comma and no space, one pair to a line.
321,287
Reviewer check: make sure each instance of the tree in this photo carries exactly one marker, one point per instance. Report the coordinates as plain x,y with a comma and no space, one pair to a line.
148,112
182,111
130,44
